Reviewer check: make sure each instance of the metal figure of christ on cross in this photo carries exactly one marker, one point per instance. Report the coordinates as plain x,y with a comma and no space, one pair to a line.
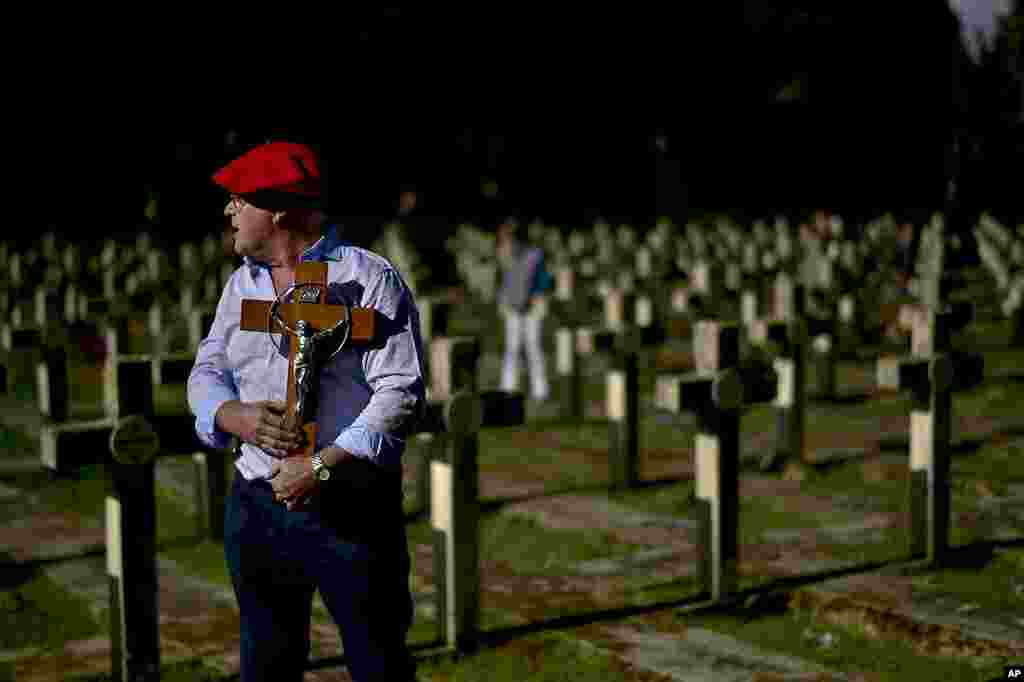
317,331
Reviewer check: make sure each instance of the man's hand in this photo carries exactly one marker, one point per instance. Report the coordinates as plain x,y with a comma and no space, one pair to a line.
261,424
292,480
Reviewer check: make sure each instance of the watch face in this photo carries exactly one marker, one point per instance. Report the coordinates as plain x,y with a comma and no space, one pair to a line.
324,474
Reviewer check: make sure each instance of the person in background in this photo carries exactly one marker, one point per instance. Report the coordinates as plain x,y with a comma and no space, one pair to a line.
524,281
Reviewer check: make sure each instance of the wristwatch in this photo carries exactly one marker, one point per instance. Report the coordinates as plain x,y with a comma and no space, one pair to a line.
320,470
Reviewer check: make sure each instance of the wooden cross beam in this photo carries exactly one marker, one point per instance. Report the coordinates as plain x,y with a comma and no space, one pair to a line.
312,309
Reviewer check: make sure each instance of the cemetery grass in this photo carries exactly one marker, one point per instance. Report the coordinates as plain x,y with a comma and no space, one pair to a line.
544,657
852,651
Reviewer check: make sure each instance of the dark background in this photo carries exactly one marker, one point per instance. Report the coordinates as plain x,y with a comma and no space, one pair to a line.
751,110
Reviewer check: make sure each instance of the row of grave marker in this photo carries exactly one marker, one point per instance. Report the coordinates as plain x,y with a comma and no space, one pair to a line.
716,391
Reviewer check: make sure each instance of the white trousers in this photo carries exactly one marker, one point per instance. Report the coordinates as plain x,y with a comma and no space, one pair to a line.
520,328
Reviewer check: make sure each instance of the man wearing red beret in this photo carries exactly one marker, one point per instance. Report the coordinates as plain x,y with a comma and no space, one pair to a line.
286,533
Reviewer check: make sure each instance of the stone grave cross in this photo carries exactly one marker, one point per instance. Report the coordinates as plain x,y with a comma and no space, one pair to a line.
931,373
717,392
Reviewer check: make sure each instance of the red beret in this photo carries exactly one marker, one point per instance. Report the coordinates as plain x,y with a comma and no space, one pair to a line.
284,170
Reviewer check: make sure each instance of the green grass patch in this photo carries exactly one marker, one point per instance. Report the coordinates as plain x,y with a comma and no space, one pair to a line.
530,548
795,633
544,657
992,586
40,613
192,670
14,442
203,559
675,499
848,479
998,465
644,591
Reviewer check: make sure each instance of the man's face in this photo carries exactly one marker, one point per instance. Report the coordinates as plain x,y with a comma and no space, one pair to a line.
252,227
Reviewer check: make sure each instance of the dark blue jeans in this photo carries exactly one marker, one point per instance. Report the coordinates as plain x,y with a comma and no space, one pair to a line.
352,547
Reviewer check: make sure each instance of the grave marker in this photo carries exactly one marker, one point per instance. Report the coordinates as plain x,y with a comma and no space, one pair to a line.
449,476
788,330
622,396
716,392
932,372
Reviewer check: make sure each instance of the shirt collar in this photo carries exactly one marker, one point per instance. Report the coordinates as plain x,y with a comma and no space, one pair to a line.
327,248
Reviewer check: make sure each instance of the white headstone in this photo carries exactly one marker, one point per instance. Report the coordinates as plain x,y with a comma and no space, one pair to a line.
784,391
833,251
109,288
71,304
680,299
71,259
14,269
564,341
109,254
187,257
614,313
847,308
209,249
626,237
748,304
155,321
702,277
187,300
564,280
615,395
131,283
577,243
733,277
750,257
644,312
39,307
644,267
155,265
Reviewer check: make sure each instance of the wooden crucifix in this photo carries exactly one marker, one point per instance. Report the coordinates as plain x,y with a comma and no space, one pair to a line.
317,329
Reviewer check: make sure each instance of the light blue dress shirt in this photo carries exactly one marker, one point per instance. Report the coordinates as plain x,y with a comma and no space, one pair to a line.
370,397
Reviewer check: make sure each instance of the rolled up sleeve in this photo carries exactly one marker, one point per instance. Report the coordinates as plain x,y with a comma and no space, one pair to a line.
211,383
394,371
